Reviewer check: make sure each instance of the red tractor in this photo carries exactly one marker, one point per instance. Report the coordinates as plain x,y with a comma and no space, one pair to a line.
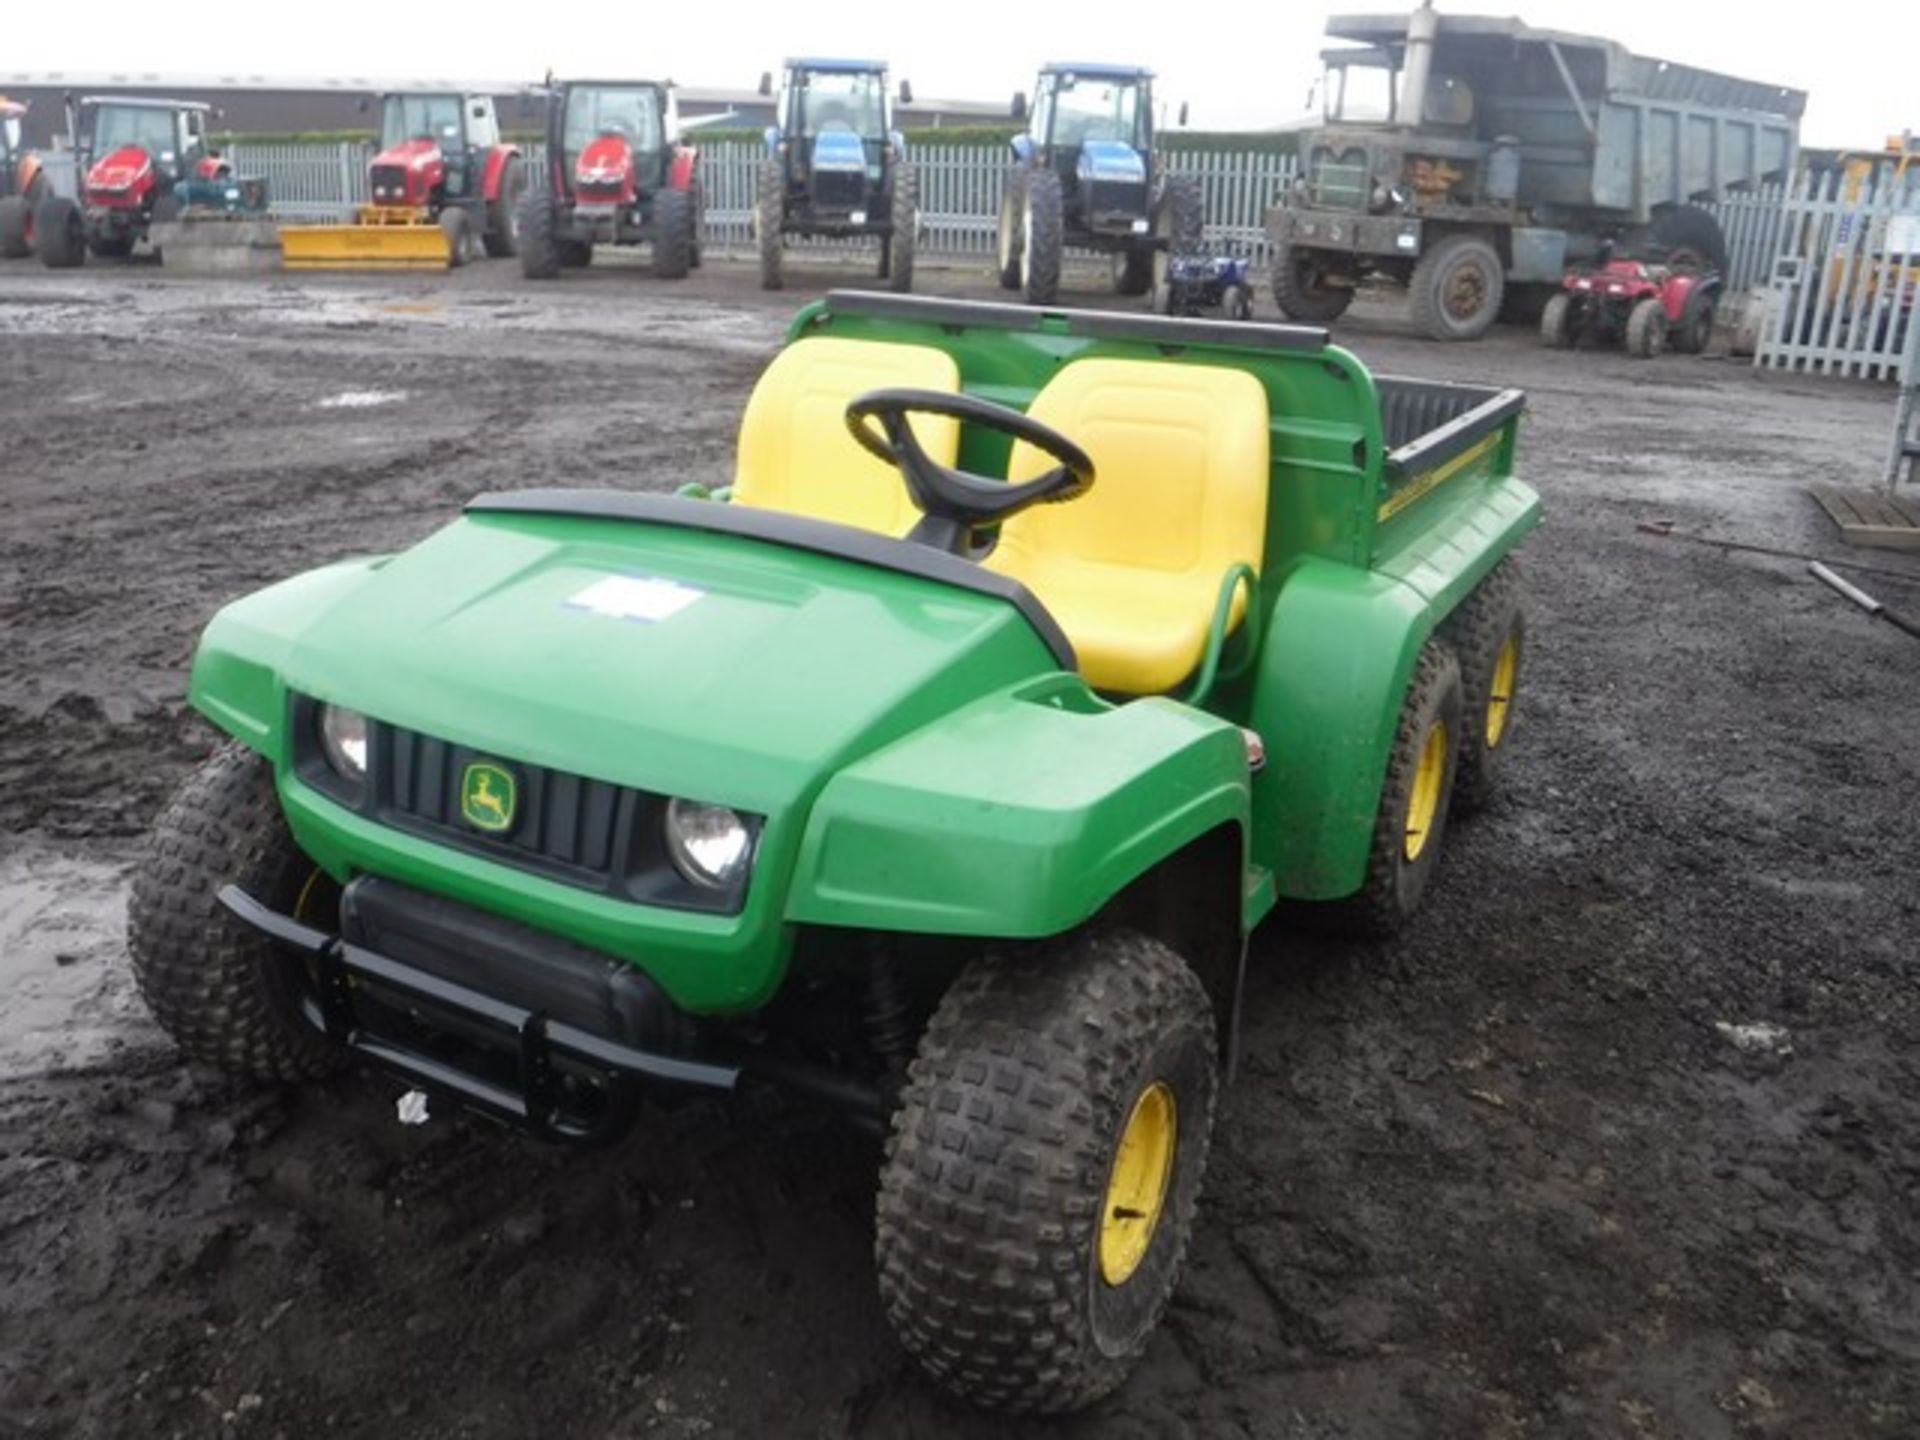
616,174
443,186
23,184
1649,306
140,161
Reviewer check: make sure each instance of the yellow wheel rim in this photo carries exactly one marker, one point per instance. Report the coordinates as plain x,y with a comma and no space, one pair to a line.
1424,803
1137,1189
1500,695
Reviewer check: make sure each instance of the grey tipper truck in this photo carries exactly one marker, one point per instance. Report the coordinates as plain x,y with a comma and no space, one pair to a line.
1471,158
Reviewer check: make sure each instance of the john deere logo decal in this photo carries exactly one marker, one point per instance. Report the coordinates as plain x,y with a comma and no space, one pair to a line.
487,797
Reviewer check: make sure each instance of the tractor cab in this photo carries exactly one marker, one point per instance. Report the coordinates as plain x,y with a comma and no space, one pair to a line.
1092,122
615,139
23,184
431,145
834,130
133,151
836,166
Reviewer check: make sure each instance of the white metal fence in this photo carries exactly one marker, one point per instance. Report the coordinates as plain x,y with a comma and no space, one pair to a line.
1845,280
959,190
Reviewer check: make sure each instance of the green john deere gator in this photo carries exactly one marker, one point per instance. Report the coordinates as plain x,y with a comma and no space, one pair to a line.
938,771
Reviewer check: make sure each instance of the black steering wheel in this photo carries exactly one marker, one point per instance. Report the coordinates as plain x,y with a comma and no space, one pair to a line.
954,504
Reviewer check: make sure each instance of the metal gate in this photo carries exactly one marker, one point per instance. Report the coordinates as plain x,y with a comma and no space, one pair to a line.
1846,275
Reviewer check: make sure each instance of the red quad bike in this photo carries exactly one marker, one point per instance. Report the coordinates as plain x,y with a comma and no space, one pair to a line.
616,174
1649,306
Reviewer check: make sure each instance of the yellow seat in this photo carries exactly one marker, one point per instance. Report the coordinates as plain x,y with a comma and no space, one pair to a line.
795,453
1132,570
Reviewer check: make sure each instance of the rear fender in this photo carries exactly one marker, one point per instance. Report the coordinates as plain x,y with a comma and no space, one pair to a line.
1021,815
680,173
496,170
30,170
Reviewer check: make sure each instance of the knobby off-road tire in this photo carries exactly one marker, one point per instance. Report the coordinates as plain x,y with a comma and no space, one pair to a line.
16,228
457,226
996,1263
1694,333
1300,289
1409,828
904,217
1042,238
1488,635
1009,230
60,233
225,994
111,247
540,244
1456,289
673,227
1556,323
502,239
1646,329
769,214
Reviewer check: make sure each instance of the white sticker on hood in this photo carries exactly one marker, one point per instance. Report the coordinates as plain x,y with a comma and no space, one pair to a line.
635,597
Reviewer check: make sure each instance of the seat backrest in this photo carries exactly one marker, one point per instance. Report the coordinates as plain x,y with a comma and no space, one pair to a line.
1180,465
1133,569
795,453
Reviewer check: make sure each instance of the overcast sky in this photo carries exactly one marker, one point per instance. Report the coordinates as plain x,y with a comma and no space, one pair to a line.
1239,66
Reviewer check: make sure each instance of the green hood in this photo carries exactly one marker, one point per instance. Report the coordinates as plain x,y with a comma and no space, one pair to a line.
727,667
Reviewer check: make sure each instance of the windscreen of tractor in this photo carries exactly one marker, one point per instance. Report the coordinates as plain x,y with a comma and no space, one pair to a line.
1087,107
844,100
141,125
1360,94
629,112
420,117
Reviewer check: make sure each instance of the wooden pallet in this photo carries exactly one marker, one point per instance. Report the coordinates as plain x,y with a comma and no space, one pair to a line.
1872,519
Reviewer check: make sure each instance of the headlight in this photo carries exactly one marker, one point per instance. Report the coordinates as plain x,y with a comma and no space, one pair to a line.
343,736
709,844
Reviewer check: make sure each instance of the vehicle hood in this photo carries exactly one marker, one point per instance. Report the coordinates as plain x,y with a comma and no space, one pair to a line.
669,658
128,169
839,150
418,154
1111,161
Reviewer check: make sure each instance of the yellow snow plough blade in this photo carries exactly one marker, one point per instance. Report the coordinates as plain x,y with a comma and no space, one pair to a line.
385,239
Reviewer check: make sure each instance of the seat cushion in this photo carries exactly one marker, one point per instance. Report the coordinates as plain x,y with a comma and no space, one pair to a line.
1132,570
795,453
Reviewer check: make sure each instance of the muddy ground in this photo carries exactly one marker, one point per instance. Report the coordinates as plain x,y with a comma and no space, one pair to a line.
1622,1140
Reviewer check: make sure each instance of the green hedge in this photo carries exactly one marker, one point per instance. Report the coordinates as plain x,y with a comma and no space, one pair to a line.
1237,141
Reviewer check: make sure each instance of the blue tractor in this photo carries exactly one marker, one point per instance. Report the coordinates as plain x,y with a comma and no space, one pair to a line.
1085,175
836,166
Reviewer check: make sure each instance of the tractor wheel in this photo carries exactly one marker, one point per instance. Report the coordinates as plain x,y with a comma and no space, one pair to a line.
1236,302
1690,239
1456,288
1556,323
542,249
502,239
1488,632
1411,822
1646,329
699,251
769,214
60,233
227,995
1522,304
1040,1181
1009,232
1133,271
110,247
1040,242
457,225
1695,331
16,228
673,225
905,220
1301,290
1179,225
575,254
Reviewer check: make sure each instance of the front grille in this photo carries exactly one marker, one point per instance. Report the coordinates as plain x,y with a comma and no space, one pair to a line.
1338,180
591,834
389,184
564,823
839,189
1116,201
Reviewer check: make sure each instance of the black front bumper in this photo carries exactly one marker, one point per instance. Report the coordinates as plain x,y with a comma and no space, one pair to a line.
514,1058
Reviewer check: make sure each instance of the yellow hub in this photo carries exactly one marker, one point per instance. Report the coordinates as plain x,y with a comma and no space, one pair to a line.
1137,1188
1506,670
1428,777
